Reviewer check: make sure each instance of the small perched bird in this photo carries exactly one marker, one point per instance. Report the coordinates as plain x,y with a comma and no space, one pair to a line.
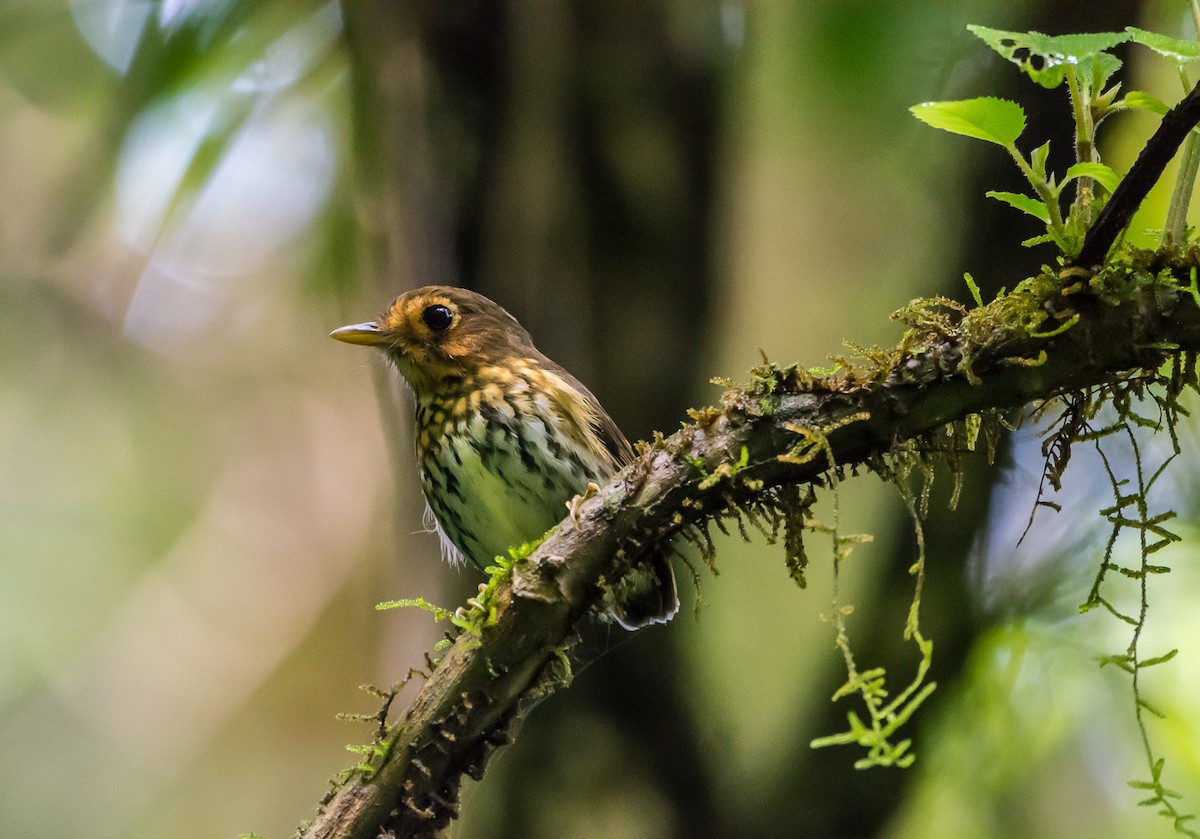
505,437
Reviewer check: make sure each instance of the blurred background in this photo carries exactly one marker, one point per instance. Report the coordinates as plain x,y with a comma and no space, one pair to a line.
204,497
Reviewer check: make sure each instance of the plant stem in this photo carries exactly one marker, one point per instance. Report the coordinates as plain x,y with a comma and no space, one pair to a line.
1175,229
1085,149
1049,196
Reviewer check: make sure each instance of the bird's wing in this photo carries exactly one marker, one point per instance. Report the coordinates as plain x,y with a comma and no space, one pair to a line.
607,432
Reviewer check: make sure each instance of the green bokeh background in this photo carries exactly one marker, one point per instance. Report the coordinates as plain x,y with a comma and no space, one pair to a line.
203,497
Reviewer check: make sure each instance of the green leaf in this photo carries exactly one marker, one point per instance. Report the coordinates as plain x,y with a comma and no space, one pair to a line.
1150,662
1146,102
987,118
971,284
1108,66
1152,709
1045,58
1181,52
1098,172
1037,160
1024,203
1102,103
1122,661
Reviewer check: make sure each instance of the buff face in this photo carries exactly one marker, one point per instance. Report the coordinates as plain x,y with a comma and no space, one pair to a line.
504,436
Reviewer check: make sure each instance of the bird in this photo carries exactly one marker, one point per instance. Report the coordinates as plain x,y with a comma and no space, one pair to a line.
505,437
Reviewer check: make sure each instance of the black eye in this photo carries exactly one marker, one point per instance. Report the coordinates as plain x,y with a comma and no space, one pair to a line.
438,317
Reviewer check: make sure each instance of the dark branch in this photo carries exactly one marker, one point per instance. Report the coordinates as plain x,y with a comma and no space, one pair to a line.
1140,179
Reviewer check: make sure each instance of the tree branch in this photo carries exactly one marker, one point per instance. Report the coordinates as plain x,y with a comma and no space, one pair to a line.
1100,329
1110,326
1139,180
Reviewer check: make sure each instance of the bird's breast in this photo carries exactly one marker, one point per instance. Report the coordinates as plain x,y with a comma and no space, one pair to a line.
498,466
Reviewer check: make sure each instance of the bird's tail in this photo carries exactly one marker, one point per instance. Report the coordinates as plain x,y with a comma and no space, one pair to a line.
646,594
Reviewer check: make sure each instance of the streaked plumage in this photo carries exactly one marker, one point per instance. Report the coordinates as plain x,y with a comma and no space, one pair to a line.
504,436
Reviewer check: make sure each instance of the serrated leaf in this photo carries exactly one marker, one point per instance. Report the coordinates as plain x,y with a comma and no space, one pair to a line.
1108,65
1024,203
987,118
1145,102
1045,58
1098,172
1181,52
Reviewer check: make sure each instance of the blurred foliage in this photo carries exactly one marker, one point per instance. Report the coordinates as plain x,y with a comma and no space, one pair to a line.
203,500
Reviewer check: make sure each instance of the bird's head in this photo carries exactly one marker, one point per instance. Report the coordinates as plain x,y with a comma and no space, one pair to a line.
437,332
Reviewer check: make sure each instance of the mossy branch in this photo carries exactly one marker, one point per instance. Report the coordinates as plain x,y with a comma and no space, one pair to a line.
1054,334
1124,323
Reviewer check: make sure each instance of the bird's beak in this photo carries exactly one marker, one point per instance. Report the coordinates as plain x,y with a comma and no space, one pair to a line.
368,334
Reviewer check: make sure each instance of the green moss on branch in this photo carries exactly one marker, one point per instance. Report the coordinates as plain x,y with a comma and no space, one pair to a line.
1053,334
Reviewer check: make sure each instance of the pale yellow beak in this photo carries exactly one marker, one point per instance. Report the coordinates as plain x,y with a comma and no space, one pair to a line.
367,334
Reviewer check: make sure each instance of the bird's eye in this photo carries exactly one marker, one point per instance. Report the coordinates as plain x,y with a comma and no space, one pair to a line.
438,317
